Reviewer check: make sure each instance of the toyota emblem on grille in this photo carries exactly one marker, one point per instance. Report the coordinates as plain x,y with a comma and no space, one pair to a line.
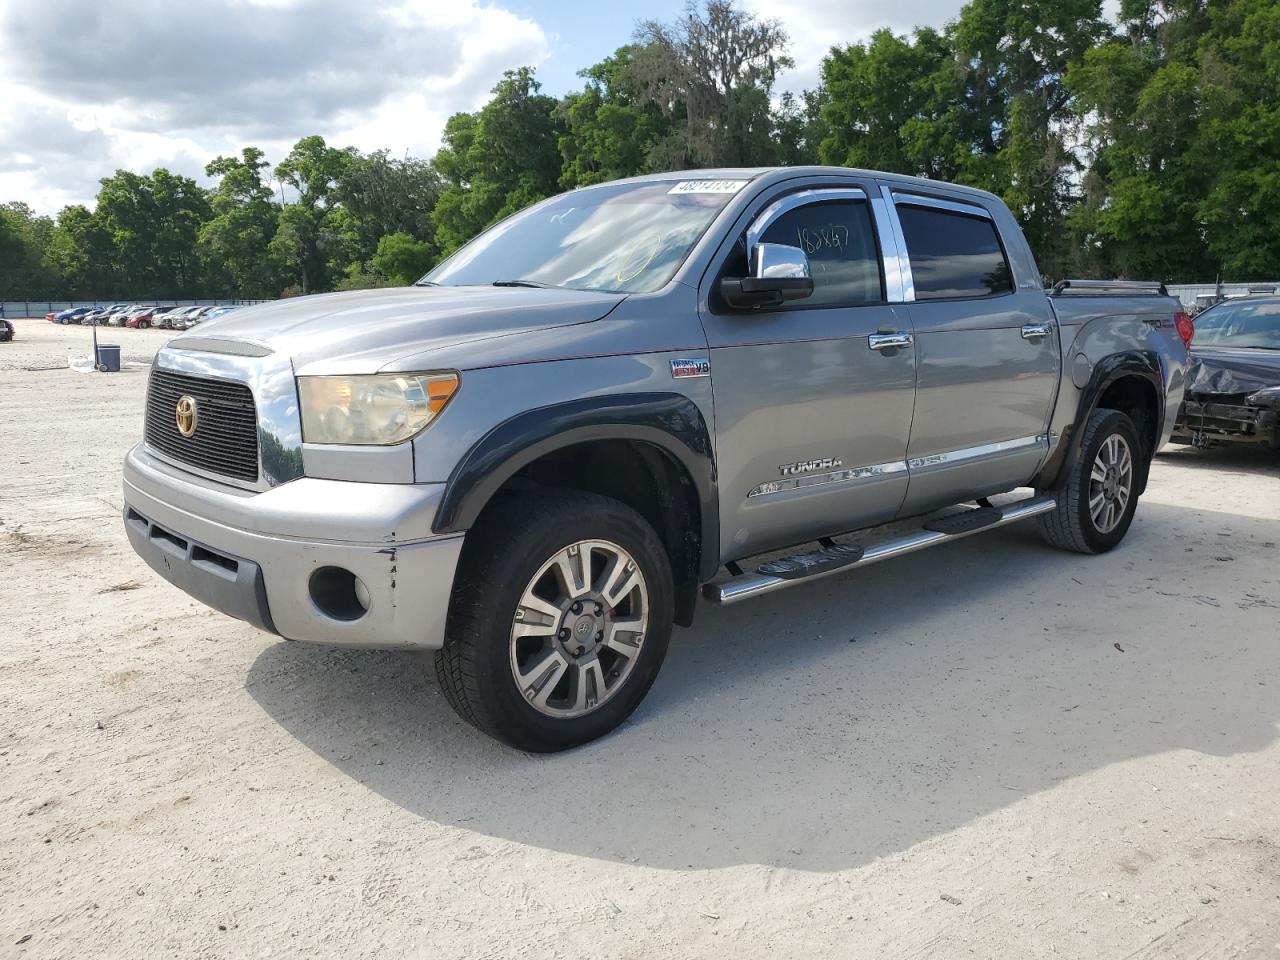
186,416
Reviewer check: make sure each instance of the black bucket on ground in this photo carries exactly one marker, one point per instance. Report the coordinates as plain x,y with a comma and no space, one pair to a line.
109,357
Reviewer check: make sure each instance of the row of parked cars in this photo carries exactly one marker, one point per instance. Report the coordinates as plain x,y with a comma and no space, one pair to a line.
138,317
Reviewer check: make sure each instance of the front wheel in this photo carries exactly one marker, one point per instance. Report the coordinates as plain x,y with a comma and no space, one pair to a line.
560,619
144,325
1096,504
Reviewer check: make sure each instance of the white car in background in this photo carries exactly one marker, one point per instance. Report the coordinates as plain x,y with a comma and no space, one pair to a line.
122,317
206,313
171,319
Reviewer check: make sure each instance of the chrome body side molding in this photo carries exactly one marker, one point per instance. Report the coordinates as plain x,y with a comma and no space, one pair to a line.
877,470
977,453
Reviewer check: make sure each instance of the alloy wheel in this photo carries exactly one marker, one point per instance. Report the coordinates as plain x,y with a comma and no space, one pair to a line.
1110,483
579,628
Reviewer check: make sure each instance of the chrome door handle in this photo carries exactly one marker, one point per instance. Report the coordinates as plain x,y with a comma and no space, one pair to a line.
889,341
1034,331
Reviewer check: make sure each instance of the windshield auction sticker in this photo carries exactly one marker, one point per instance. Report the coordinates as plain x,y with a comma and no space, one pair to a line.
708,186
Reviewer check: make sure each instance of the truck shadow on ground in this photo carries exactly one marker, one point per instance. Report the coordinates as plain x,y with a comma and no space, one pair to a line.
830,725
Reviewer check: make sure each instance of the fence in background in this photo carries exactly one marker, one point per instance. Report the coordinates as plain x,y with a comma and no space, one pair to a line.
16,309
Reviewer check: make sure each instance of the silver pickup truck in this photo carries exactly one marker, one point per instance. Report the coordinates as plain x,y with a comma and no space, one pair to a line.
535,460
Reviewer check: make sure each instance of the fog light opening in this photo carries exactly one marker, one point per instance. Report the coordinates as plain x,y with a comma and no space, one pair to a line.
339,593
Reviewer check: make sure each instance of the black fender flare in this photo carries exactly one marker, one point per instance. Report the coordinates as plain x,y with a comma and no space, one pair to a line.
669,421
1142,364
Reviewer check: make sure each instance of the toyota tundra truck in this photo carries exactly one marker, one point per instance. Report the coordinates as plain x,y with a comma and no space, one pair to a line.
715,384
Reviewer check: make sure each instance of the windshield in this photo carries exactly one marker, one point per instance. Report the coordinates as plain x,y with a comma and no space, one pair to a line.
1242,324
628,238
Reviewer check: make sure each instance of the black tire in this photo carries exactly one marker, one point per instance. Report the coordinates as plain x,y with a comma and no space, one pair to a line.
1071,525
502,554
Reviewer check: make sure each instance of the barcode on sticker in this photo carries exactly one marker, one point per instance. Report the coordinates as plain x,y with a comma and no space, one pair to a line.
708,186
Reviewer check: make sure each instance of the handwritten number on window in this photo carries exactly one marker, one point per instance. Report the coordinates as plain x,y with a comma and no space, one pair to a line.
830,236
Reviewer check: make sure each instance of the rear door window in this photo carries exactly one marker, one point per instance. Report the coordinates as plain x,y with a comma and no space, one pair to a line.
953,255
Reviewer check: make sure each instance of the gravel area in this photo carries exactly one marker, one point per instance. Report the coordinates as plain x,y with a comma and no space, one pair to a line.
991,749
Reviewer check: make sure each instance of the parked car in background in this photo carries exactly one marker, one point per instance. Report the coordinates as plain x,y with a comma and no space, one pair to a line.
6,331
179,318
72,315
197,315
167,319
215,312
535,461
119,317
1233,383
99,316
102,316
122,319
143,320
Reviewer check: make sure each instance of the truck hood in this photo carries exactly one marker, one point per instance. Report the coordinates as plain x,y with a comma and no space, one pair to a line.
1230,371
367,330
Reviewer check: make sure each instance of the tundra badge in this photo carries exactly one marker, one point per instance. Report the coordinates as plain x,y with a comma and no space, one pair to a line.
808,466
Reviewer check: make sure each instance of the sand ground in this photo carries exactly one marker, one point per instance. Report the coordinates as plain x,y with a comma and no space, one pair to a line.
992,749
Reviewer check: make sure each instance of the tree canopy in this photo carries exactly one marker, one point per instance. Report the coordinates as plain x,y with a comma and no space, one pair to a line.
1144,147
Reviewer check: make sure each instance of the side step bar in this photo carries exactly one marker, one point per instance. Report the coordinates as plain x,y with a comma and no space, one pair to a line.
806,567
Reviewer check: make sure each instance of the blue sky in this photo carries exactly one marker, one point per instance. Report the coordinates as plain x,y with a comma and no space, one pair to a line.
583,33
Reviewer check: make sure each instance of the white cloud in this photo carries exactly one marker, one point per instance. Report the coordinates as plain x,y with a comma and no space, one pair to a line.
816,25
88,88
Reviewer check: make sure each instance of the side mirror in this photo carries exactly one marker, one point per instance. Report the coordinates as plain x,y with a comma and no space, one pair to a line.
778,273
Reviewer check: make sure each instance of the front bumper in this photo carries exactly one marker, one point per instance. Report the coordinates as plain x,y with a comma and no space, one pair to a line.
1203,421
253,555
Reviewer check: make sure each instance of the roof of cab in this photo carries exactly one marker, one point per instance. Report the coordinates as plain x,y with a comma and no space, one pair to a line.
782,173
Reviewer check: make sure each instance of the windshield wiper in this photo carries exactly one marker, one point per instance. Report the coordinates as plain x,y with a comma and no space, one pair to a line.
538,284
426,283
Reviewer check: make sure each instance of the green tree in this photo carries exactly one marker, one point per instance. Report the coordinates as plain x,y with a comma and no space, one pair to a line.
712,73
498,160
894,104
1148,175
985,102
799,128
382,195
309,238
26,269
154,222
1016,55
610,130
402,258
1240,95
245,216
84,254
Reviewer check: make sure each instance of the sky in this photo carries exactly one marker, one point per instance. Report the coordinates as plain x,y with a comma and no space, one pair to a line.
90,86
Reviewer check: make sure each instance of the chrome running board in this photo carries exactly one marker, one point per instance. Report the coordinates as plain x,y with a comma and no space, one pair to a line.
807,567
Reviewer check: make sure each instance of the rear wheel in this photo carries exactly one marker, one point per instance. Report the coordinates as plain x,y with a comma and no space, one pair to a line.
560,619
1096,504
144,324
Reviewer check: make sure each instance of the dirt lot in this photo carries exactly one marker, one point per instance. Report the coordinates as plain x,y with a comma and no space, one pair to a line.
990,750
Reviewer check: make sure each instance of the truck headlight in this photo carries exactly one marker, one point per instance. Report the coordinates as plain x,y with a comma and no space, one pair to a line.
380,408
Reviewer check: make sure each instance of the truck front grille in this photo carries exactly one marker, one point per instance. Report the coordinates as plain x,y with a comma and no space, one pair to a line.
225,440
